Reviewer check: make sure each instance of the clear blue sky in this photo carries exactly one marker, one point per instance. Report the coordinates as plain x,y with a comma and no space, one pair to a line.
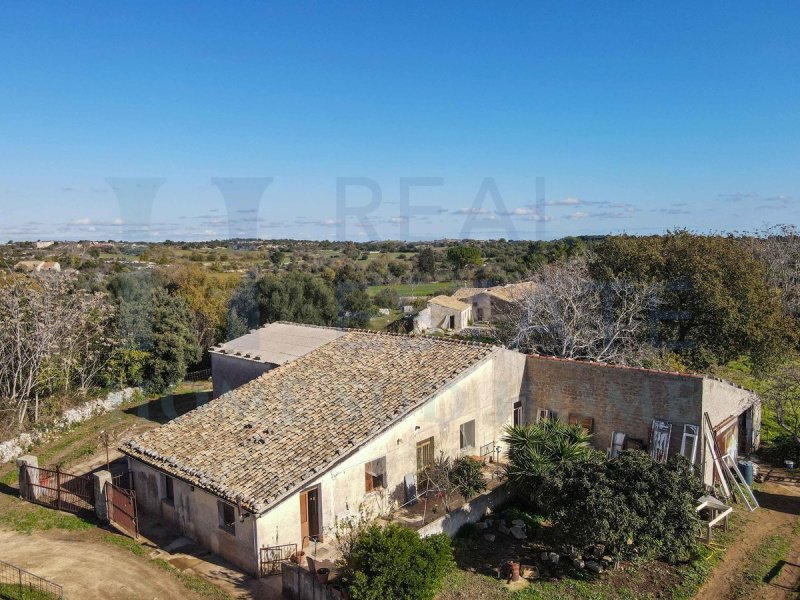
639,116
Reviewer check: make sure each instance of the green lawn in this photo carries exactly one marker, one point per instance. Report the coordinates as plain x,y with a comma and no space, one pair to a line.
418,289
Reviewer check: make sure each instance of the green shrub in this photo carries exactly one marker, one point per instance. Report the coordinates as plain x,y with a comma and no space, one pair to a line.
467,477
394,563
631,504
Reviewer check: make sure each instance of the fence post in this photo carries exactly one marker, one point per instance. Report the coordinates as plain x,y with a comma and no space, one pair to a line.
27,477
99,481
58,486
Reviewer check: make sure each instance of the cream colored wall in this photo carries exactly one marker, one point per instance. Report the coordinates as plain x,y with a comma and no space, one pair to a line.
194,513
723,401
440,317
486,395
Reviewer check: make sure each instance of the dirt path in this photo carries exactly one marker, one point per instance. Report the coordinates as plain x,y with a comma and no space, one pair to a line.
779,514
89,569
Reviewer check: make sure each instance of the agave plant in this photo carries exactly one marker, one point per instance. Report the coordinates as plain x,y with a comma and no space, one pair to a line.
534,450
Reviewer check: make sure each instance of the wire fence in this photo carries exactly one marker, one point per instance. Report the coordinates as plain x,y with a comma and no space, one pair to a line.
19,584
198,375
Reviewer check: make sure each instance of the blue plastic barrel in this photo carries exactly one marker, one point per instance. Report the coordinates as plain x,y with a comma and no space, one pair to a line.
746,467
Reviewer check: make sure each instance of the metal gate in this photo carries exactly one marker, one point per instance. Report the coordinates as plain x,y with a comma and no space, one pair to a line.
60,490
271,557
121,505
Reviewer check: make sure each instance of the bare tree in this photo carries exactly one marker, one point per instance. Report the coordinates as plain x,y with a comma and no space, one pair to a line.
783,398
566,313
779,248
51,336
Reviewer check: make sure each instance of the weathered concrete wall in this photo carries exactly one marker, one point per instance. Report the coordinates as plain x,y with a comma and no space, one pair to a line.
471,512
617,398
487,395
229,372
194,513
440,317
724,403
300,584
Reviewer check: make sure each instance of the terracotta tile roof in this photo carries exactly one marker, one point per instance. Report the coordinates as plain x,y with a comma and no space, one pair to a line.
512,291
464,293
259,442
449,302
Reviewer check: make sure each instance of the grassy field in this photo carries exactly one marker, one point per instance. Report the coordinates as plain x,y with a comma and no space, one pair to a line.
418,289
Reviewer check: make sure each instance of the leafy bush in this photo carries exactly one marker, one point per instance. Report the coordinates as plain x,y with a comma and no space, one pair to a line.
394,563
387,298
631,504
467,477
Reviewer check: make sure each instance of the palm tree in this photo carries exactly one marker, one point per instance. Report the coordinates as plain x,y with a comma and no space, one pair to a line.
534,450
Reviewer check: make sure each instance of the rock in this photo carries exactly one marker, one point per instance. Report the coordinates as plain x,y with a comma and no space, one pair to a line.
529,572
488,511
518,523
489,537
608,560
599,550
570,551
578,563
503,529
554,558
594,567
545,557
518,532
481,526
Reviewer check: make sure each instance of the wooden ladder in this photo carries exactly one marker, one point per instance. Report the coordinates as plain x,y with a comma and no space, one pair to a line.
728,472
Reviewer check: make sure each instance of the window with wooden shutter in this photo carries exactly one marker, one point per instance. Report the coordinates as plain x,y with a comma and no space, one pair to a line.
375,475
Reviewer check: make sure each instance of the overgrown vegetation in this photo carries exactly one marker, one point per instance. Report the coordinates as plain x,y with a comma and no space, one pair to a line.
631,504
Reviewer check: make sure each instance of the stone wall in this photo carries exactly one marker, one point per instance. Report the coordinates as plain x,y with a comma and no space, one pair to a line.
11,449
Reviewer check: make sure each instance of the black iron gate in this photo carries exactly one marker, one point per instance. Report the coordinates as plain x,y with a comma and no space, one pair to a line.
271,557
121,506
58,489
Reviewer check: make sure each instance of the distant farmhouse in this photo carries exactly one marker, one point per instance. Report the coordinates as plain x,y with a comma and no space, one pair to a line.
309,423
468,305
37,266
40,245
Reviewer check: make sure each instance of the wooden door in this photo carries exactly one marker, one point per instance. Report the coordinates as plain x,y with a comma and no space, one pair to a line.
304,518
309,516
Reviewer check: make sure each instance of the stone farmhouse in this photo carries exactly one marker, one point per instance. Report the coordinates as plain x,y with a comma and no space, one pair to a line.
309,423
490,304
444,313
278,459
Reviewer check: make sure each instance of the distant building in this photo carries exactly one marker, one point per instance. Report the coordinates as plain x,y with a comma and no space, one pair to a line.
445,313
43,245
490,304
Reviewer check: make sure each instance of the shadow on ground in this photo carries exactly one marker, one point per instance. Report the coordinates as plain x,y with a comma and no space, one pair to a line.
164,409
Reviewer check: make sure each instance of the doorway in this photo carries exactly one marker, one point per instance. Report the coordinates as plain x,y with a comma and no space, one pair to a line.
309,516
452,322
